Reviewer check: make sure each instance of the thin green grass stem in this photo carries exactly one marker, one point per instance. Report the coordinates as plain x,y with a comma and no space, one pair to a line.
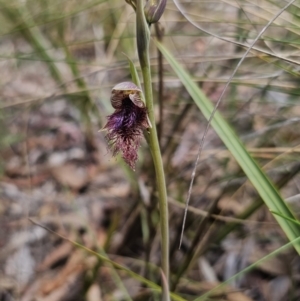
143,37
160,178
33,36
249,268
153,286
258,178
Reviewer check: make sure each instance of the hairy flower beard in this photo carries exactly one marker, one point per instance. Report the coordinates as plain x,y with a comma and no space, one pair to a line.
125,129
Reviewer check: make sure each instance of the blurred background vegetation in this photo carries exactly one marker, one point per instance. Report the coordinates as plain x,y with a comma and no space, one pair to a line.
59,61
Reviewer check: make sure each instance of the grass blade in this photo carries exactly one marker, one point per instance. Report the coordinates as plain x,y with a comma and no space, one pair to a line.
133,72
248,269
258,178
287,218
114,264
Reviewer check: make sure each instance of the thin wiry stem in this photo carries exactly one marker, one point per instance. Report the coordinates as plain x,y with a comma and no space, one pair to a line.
271,54
247,269
217,105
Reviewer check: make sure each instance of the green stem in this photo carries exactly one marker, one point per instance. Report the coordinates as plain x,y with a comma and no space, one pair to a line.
143,36
160,176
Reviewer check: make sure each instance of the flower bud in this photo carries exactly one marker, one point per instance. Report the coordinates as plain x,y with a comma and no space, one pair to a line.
154,9
125,126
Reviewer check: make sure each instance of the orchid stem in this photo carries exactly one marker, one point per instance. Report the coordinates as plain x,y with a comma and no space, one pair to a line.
143,37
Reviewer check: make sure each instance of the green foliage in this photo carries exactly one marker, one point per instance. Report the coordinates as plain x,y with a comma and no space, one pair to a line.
259,179
81,47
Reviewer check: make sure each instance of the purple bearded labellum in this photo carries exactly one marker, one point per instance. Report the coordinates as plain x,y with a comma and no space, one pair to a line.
125,126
